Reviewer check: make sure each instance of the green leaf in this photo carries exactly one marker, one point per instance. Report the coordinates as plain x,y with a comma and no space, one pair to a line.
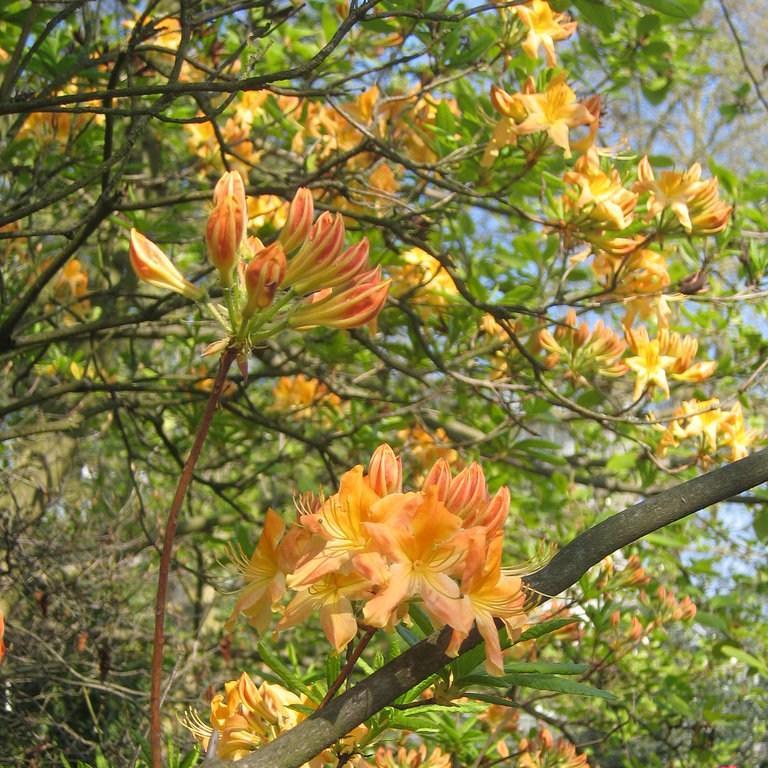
546,627
746,658
760,523
621,461
599,14
558,684
679,9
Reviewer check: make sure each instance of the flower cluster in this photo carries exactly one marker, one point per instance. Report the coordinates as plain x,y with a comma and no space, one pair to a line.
636,278
543,750
544,27
246,716
364,555
304,279
300,396
554,111
669,354
404,757
713,427
585,351
597,198
695,204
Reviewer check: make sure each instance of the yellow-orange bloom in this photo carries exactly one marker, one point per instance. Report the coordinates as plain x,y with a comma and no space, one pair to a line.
638,278
264,581
714,427
554,111
404,757
544,28
601,198
648,363
299,395
695,203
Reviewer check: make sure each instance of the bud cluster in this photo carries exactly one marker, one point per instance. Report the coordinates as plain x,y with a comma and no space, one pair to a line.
305,278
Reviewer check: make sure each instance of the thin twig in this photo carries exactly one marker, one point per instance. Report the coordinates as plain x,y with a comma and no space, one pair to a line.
165,558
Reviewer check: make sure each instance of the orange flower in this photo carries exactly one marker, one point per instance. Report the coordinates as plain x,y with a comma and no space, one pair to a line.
695,203
418,541
331,596
638,278
544,28
299,396
264,581
602,199
649,362
554,111
490,593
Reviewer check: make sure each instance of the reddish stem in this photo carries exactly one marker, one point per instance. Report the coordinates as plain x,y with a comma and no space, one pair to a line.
165,557
346,670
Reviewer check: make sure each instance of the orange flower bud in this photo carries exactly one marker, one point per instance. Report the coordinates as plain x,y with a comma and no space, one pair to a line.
507,104
263,275
688,608
493,516
635,629
152,266
299,223
467,490
343,269
314,262
439,475
225,231
351,307
615,617
385,471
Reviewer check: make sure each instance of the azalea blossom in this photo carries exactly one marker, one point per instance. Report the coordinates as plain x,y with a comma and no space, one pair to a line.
544,28
669,353
306,278
694,203
555,111
370,550
601,199
246,716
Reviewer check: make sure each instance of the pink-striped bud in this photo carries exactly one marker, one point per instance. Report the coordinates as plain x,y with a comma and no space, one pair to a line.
152,266
467,490
385,471
299,222
495,513
225,231
263,275
319,251
439,475
350,307
344,269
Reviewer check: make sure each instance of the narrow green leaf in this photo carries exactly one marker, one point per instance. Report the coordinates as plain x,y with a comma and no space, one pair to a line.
546,627
558,684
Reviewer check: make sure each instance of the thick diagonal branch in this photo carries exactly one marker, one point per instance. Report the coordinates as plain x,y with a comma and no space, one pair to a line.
344,713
